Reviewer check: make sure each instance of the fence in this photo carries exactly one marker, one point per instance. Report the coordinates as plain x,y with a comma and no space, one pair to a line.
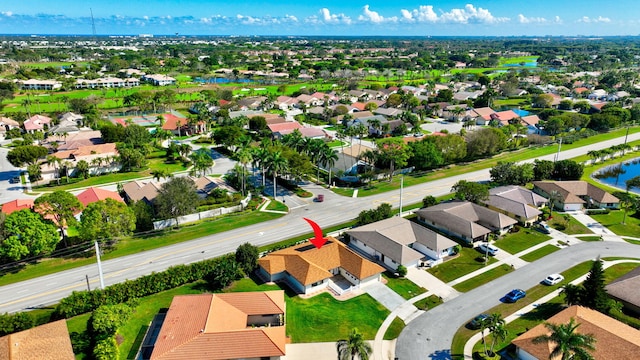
161,224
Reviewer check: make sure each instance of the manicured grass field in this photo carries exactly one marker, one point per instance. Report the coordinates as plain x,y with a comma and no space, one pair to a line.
465,263
573,226
404,287
394,329
525,238
323,318
613,222
539,253
277,206
483,278
428,303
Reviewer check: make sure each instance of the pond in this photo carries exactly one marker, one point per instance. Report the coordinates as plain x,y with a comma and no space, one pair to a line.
617,175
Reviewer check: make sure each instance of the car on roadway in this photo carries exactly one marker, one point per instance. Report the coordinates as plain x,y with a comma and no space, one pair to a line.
476,322
553,279
319,198
487,248
515,295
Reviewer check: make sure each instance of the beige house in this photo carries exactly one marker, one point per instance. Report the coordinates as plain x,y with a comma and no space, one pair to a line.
306,269
468,221
614,339
517,202
576,195
245,325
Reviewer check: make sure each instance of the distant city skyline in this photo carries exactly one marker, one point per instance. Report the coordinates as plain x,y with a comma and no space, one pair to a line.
331,18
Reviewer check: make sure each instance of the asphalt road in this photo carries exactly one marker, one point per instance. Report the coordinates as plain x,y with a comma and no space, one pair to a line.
430,335
9,191
334,210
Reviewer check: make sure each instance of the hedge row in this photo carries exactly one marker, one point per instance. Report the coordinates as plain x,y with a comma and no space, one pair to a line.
80,302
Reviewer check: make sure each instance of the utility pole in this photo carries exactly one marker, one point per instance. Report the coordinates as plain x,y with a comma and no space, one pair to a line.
558,153
401,192
99,265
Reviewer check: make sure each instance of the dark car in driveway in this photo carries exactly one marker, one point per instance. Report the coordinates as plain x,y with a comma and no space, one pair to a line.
476,322
514,295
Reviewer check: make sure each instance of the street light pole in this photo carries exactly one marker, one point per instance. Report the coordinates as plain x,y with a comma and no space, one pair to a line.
558,153
401,192
99,265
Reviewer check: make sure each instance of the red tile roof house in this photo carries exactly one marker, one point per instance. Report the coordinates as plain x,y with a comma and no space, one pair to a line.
106,152
36,123
281,129
93,194
614,339
244,325
179,126
575,194
16,205
49,341
483,115
307,269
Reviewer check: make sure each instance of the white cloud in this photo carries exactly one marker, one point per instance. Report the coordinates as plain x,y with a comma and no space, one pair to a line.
7,13
528,20
374,17
424,13
326,17
290,18
471,14
599,19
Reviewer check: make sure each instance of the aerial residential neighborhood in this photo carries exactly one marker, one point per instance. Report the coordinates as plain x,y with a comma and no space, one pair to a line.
154,192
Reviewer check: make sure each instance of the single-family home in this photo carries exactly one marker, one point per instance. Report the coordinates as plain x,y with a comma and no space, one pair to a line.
94,194
398,241
66,126
483,115
137,190
242,325
50,341
614,339
280,129
575,195
350,162
16,205
531,123
75,140
36,123
106,153
626,290
7,124
180,125
251,103
516,202
465,220
307,269
206,184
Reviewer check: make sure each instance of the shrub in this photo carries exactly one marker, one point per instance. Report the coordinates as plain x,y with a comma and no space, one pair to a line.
10,323
401,270
106,349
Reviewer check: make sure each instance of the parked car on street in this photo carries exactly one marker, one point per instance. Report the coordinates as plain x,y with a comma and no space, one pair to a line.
476,322
488,248
319,198
514,295
553,279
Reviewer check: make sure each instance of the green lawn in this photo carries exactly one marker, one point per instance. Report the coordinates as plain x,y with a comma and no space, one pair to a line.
590,238
567,224
515,242
394,330
613,222
615,271
465,263
277,206
463,334
631,241
428,303
142,243
539,253
404,287
483,278
322,318
513,156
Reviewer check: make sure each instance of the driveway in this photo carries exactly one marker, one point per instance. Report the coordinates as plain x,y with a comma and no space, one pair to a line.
437,125
430,335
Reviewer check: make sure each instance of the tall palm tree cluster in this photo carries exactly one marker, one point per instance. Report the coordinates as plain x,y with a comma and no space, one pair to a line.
276,158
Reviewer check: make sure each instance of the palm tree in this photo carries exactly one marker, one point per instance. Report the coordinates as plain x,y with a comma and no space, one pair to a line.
244,157
276,163
354,346
628,199
498,331
566,342
161,174
55,161
328,158
554,197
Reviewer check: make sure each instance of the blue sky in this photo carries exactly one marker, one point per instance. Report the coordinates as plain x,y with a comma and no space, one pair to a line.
346,17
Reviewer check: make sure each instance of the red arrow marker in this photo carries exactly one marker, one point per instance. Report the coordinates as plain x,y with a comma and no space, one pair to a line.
319,240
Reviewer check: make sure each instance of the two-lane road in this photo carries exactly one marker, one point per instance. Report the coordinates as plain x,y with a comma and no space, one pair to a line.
334,210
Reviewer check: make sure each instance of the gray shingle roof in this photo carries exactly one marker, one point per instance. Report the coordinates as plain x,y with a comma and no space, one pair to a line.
516,200
626,287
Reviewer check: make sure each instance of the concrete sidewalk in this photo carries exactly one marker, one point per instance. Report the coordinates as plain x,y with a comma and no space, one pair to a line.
328,350
433,284
596,227
391,300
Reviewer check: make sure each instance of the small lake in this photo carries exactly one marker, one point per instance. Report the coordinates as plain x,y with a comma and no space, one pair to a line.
617,175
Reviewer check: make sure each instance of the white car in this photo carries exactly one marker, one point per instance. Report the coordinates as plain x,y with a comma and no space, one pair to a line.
553,279
488,248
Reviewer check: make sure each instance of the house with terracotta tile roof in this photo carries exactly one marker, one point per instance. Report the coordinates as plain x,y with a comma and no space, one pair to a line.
107,153
398,241
16,205
614,339
307,269
465,220
576,195
280,129
244,325
49,341
36,123
94,194
626,290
